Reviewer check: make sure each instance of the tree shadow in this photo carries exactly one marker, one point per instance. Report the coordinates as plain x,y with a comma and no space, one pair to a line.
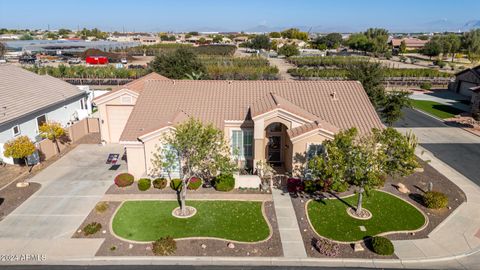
2,200
367,240
418,198
341,200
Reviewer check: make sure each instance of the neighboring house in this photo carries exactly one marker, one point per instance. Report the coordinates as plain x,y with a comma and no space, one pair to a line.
476,102
466,80
410,43
28,100
283,122
114,108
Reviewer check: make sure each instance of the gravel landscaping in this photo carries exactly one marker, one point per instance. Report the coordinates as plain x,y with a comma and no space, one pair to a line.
113,246
417,183
12,197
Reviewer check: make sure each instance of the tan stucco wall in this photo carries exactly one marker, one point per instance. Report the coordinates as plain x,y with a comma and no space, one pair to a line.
151,147
299,149
136,160
102,111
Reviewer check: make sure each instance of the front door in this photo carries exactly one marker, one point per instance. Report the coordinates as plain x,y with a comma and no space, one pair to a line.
274,150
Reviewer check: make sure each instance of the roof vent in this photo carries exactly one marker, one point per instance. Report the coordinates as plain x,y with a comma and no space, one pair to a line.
229,82
334,95
173,82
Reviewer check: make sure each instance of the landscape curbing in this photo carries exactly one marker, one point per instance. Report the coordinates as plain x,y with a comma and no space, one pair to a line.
110,226
425,224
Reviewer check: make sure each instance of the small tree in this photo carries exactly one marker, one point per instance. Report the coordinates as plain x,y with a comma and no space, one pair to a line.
52,131
370,75
289,50
393,105
260,42
20,147
178,64
202,151
403,47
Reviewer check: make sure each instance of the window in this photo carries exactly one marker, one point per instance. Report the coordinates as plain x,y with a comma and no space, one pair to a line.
126,100
242,143
314,150
16,130
41,120
83,106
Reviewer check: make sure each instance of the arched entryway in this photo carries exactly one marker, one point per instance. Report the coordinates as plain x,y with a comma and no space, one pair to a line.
278,147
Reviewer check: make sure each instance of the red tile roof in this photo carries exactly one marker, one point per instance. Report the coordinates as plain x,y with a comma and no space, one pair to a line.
217,101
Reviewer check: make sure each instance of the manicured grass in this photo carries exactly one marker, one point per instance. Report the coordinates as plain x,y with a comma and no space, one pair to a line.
233,220
329,218
436,109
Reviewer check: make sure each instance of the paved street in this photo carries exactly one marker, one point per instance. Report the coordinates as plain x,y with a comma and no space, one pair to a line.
70,189
171,267
454,146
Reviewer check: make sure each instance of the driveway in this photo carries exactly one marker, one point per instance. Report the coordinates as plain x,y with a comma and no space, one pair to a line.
458,148
70,189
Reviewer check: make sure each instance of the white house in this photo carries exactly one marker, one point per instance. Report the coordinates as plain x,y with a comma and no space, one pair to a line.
27,100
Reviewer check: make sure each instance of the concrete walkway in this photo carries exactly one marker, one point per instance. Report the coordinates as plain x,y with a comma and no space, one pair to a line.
459,234
290,235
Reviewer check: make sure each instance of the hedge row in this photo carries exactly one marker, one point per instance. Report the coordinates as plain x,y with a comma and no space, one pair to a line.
388,72
324,61
224,50
106,72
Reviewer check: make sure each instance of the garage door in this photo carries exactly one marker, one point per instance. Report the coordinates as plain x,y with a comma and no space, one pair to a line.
117,118
464,88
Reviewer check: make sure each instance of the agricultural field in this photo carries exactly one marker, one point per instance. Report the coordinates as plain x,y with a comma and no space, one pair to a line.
152,50
231,68
105,72
388,73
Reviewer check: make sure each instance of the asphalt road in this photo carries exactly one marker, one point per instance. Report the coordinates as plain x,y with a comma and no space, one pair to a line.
454,146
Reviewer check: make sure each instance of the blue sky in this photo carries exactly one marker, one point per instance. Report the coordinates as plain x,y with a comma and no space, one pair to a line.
226,15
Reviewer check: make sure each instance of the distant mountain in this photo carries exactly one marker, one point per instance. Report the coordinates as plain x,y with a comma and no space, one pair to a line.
474,24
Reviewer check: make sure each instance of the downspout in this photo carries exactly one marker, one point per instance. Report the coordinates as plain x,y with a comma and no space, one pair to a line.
144,155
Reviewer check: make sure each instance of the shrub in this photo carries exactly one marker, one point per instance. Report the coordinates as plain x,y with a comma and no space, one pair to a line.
435,200
176,184
160,183
92,228
327,247
426,85
124,180
144,184
382,245
224,182
194,183
164,246
294,185
101,207
310,186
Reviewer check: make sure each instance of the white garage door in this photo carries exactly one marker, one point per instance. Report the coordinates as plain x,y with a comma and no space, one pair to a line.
465,88
117,118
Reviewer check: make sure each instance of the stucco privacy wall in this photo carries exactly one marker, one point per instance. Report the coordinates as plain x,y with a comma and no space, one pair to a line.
123,98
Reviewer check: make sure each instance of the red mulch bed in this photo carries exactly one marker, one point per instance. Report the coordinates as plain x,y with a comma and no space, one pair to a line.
113,246
417,183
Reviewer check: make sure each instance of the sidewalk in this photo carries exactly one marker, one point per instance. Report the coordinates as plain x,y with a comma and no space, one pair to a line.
459,234
290,235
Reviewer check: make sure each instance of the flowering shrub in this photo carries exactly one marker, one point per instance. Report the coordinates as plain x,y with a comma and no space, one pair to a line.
194,183
327,247
124,180
160,183
294,185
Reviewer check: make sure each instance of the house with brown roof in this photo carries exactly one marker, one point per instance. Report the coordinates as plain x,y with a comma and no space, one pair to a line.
282,122
27,100
410,43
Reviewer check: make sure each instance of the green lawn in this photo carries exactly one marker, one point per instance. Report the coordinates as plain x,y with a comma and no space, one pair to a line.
436,109
233,220
329,218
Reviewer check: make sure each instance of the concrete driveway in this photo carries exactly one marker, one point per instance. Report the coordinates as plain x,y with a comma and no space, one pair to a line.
456,147
70,189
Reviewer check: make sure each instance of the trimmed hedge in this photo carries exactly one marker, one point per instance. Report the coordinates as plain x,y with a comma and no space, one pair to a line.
382,246
435,200
176,184
160,183
164,246
224,182
91,228
195,183
144,184
124,180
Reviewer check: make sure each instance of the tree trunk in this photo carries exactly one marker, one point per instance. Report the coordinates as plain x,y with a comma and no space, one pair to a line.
183,196
56,144
360,200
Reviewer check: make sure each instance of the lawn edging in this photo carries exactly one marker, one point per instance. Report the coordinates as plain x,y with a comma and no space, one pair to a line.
425,224
270,228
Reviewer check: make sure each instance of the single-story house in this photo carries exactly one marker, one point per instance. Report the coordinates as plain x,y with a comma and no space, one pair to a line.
28,100
476,102
282,122
465,80
410,43
114,108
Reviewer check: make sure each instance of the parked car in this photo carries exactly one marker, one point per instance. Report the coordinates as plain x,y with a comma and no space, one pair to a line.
124,61
73,61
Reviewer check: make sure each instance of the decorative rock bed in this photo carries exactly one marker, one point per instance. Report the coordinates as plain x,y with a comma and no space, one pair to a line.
189,212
